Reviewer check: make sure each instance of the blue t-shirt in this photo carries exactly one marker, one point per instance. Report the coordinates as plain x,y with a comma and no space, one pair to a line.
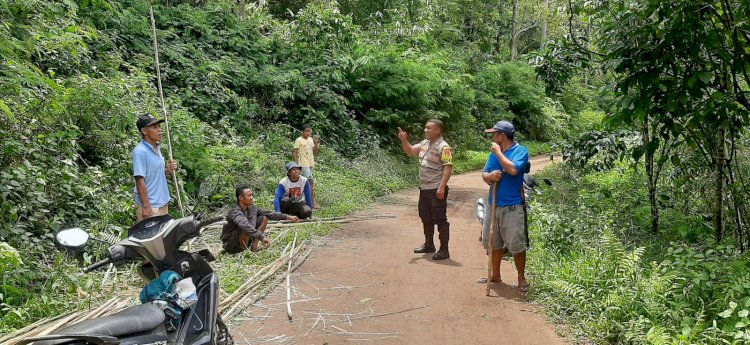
509,188
150,164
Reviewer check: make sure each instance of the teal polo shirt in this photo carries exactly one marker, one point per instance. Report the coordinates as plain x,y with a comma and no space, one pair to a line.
508,192
150,164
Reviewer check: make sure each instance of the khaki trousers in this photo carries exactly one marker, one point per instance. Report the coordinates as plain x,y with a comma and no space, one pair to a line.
155,212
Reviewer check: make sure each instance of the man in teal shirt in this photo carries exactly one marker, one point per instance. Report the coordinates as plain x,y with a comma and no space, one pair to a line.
506,165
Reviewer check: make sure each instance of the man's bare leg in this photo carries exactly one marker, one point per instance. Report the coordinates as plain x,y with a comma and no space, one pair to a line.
261,228
520,260
497,258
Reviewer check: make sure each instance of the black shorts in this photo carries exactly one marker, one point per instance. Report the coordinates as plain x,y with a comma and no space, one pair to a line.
432,210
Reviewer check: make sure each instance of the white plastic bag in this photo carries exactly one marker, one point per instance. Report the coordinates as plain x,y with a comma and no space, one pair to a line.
186,295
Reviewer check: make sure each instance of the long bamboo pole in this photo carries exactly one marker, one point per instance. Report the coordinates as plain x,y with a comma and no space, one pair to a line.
164,109
492,235
288,281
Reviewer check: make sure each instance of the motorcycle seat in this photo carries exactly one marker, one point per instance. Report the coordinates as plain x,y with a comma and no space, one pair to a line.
133,320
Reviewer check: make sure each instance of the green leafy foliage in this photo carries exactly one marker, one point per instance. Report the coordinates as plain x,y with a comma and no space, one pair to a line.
598,150
240,79
597,267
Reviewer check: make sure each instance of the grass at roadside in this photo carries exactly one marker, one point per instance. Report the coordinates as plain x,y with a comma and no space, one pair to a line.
596,267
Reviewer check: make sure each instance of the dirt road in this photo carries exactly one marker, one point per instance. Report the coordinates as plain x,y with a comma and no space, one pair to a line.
365,285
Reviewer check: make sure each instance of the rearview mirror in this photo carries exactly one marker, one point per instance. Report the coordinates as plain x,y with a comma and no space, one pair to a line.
72,238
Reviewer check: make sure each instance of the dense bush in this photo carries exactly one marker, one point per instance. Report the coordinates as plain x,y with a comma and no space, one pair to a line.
511,91
596,267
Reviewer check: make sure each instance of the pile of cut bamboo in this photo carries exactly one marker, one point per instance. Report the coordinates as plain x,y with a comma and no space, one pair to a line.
49,325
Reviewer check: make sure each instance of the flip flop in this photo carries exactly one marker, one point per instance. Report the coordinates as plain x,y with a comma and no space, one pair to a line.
483,280
524,288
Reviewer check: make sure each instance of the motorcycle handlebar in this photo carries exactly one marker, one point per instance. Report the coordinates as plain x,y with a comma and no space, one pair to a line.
97,265
209,221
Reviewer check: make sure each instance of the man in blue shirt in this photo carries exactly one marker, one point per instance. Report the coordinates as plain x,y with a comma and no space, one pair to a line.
294,193
150,171
506,165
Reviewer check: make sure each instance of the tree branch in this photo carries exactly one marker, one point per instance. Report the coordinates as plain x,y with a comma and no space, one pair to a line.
573,36
518,34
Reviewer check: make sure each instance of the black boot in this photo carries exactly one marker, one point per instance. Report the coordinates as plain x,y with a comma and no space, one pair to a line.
427,247
442,254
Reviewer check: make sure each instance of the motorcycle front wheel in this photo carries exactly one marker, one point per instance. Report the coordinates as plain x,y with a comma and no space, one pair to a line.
223,337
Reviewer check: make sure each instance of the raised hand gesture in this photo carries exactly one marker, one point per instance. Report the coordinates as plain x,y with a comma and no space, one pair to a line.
403,136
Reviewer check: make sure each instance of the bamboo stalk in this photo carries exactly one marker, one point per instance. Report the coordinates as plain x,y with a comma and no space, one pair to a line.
329,220
288,281
24,331
93,312
270,271
492,237
164,109
247,293
248,283
256,296
59,324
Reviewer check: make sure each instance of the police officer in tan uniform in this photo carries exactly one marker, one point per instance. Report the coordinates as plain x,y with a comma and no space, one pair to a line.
435,168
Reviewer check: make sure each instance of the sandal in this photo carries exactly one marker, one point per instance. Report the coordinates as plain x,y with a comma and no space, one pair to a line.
483,280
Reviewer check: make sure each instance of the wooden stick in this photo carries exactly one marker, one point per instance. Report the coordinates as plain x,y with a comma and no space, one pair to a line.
492,236
27,331
288,283
164,109
354,217
240,291
91,313
379,315
59,324
329,220
228,315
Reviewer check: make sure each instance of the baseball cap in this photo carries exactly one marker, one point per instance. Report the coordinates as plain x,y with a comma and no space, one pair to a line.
292,165
502,127
145,121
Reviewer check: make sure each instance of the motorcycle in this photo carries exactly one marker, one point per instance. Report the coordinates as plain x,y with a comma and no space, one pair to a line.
529,189
156,243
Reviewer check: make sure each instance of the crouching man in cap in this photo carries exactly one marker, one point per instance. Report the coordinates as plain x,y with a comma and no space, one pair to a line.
150,171
293,193
506,165
245,221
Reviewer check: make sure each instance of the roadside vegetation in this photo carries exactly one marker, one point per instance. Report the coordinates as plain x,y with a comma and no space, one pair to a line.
240,80
642,237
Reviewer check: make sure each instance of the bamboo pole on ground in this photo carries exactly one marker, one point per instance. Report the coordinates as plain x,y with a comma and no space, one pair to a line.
243,295
288,283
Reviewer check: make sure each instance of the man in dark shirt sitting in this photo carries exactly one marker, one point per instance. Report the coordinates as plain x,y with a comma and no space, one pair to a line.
246,221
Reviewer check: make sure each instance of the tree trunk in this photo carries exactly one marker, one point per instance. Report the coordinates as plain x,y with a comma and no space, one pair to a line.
514,32
719,162
543,39
589,29
652,177
738,214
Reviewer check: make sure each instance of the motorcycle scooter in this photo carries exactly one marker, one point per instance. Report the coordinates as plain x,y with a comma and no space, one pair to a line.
529,190
156,243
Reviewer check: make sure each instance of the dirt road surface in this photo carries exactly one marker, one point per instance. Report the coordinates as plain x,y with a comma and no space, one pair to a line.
366,286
